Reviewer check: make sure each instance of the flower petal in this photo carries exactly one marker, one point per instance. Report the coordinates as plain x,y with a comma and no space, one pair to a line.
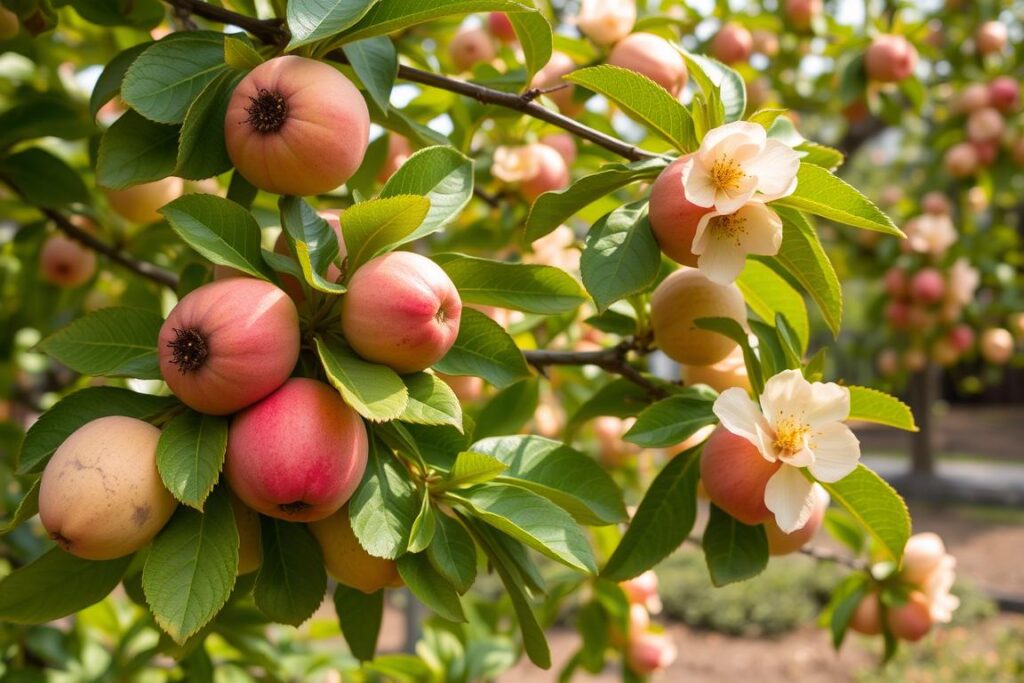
829,403
836,452
738,414
721,261
696,180
775,169
790,496
725,139
730,200
785,394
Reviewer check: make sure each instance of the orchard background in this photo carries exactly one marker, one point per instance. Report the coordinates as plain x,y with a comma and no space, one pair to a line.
471,340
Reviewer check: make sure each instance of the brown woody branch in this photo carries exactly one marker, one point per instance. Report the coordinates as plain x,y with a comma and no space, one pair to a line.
142,268
274,33
614,359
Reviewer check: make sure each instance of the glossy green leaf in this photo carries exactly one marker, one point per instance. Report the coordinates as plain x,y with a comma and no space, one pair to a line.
313,20
136,150
482,348
734,551
219,229
430,587
544,290
824,194
871,405
441,174
374,391
117,342
671,421
621,256
190,454
292,580
384,506
876,506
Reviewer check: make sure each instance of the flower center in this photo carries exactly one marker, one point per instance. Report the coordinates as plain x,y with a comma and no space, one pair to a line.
726,173
188,350
731,228
790,434
267,112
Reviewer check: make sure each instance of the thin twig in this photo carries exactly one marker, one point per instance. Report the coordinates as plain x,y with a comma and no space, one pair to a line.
142,268
614,359
272,32
814,552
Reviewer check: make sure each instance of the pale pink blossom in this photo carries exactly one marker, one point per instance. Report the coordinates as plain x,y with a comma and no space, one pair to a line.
515,164
606,21
723,240
737,162
930,234
928,566
643,590
799,424
962,282
650,651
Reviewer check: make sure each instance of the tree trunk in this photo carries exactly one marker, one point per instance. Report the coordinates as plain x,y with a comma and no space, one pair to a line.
923,394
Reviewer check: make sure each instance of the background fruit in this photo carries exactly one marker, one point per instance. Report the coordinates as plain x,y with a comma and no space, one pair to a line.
297,454
66,263
683,297
296,126
140,203
401,310
101,496
250,545
470,47
552,173
651,56
347,561
912,620
890,59
732,44
228,344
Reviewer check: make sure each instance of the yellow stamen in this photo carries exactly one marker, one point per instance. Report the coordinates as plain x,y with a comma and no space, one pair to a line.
790,434
731,228
726,173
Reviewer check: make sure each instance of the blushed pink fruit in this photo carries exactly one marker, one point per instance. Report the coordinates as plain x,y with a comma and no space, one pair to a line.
1004,93
501,27
401,310
673,218
985,125
767,43
550,78
986,151
729,372
890,59
399,151
101,496
228,344
896,283
140,203
296,126
687,295
912,620
801,13
898,314
66,263
650,651
867,618
936,204
928,286
975,96
552,173
564,144
962,337
961,160
470,47
298,454
735,474
996,345
991,37
732,44
651,56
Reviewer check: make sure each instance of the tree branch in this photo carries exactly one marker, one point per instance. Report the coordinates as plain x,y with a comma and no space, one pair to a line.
273,32
614,359
142,268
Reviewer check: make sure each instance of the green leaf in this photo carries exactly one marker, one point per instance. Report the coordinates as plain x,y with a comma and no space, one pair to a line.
164,80
219,229
313,20
384,506
805,260
108,86
871,405
43,117
360,616
74,410
44,179
731,91
534,641
116,342
375,61
145,14
240,54
621,256
423,527
190,455
843,604
202,150
292,579
56,585
733,330
876,506
823,194
508,411
768,294
533,520
191,568
453,553
734,551
377,226
135,150
662,522
482,348
441,174
535,38
552,209
544,290
27,509
316,244
474,468
431,401
671,421
820,155
374,391
643,100
394,15
430,587
566,477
